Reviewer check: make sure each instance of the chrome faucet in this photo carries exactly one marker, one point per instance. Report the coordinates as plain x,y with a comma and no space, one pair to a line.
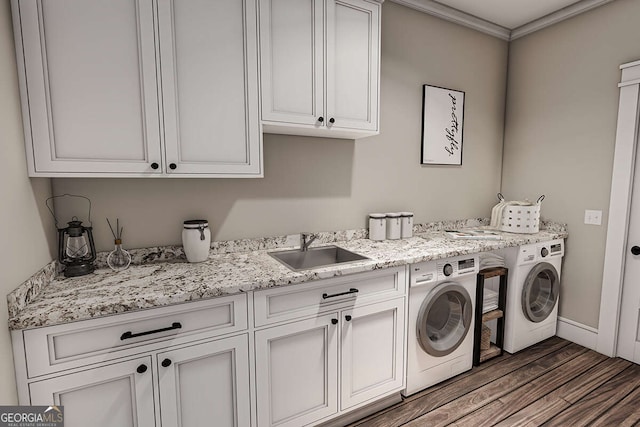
306,239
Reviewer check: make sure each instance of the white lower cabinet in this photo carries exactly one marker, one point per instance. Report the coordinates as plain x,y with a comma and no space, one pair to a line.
304,355
317,368
372,351
206,384
297,372
120,395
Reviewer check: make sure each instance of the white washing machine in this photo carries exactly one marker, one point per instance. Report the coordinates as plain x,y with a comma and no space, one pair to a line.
441,307
533,289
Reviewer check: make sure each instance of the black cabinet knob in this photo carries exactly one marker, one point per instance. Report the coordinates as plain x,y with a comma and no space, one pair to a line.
635,250
347,318
172,166
320,119
334,321
154,165
166,363
142,369
332,120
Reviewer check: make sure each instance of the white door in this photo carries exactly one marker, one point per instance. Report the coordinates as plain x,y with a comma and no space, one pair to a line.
91,86
115,395
297,372
629,331
209,55
372,351
292,61
206,384
353,46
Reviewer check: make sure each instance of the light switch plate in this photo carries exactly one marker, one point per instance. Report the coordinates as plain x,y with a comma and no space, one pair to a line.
592,217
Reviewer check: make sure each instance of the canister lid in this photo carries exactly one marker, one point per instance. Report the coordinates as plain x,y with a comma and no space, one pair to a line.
377,215
406,214
196,223
393,215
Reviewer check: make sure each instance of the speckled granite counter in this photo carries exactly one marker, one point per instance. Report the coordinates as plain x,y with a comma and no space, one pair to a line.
232,267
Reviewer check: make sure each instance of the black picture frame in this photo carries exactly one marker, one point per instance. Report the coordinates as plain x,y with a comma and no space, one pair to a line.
442,126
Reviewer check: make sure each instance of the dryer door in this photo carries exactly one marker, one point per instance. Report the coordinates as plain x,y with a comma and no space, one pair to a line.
540,292
444,319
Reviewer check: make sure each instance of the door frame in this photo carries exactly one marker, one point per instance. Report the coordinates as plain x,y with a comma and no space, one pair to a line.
619,208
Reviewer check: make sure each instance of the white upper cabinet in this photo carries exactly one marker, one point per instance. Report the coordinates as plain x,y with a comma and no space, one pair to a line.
89,94
209,56
320,65
139,88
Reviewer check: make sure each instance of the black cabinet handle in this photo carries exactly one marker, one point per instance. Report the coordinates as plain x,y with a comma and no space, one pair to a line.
142,369
332,120
635,250
154,165
166,363
350,291
347,318
129,334
334,321
172,166
320,119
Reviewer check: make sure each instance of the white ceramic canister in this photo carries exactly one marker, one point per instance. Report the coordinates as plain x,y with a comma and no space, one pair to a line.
196,240
393,225
406,224
377,226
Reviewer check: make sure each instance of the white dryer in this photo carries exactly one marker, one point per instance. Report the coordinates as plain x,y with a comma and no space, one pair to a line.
441,307
533,290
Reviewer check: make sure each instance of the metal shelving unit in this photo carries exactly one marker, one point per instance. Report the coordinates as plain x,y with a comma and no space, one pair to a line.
494,350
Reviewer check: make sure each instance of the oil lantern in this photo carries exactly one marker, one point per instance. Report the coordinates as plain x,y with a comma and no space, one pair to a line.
76,248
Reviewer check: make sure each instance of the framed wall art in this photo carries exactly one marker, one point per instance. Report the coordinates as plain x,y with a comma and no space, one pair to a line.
442,126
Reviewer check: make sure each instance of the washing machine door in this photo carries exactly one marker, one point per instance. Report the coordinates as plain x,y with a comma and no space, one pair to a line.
444,319
540,292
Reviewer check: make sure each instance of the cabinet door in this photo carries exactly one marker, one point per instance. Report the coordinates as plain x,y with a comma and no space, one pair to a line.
296,372
353,63
89,88
209,54
115,395
206,384
292,61
372,351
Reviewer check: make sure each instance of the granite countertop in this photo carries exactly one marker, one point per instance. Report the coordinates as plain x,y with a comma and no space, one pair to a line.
48,299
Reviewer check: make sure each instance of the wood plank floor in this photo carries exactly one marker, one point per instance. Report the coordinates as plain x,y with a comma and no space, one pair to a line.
554,383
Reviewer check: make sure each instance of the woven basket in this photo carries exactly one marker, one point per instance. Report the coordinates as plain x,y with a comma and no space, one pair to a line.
485,338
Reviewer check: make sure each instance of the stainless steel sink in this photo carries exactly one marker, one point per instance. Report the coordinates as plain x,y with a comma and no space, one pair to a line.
323,256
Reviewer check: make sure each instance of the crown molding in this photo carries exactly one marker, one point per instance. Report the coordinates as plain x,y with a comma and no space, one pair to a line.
555,17
439,10
454,15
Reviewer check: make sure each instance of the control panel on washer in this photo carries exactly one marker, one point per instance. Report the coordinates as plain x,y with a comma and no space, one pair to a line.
537,252
444,269
452,268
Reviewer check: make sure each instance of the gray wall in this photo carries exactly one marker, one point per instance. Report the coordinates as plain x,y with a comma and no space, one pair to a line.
560,134
316,184
28,233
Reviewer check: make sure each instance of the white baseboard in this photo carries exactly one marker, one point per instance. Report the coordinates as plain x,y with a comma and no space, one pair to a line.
578,333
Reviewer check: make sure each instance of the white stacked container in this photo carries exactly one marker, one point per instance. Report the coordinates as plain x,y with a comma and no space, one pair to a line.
406,224
377,226
393,226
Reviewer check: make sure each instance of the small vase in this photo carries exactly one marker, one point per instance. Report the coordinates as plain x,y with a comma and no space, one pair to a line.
118,259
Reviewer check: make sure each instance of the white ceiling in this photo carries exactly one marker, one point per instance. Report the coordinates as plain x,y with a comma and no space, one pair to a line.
505,19
510,14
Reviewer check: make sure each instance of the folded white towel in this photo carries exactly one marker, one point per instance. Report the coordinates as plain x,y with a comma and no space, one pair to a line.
489,300
490,260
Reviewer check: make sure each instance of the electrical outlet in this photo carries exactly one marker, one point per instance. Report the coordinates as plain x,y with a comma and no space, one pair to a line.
592,217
